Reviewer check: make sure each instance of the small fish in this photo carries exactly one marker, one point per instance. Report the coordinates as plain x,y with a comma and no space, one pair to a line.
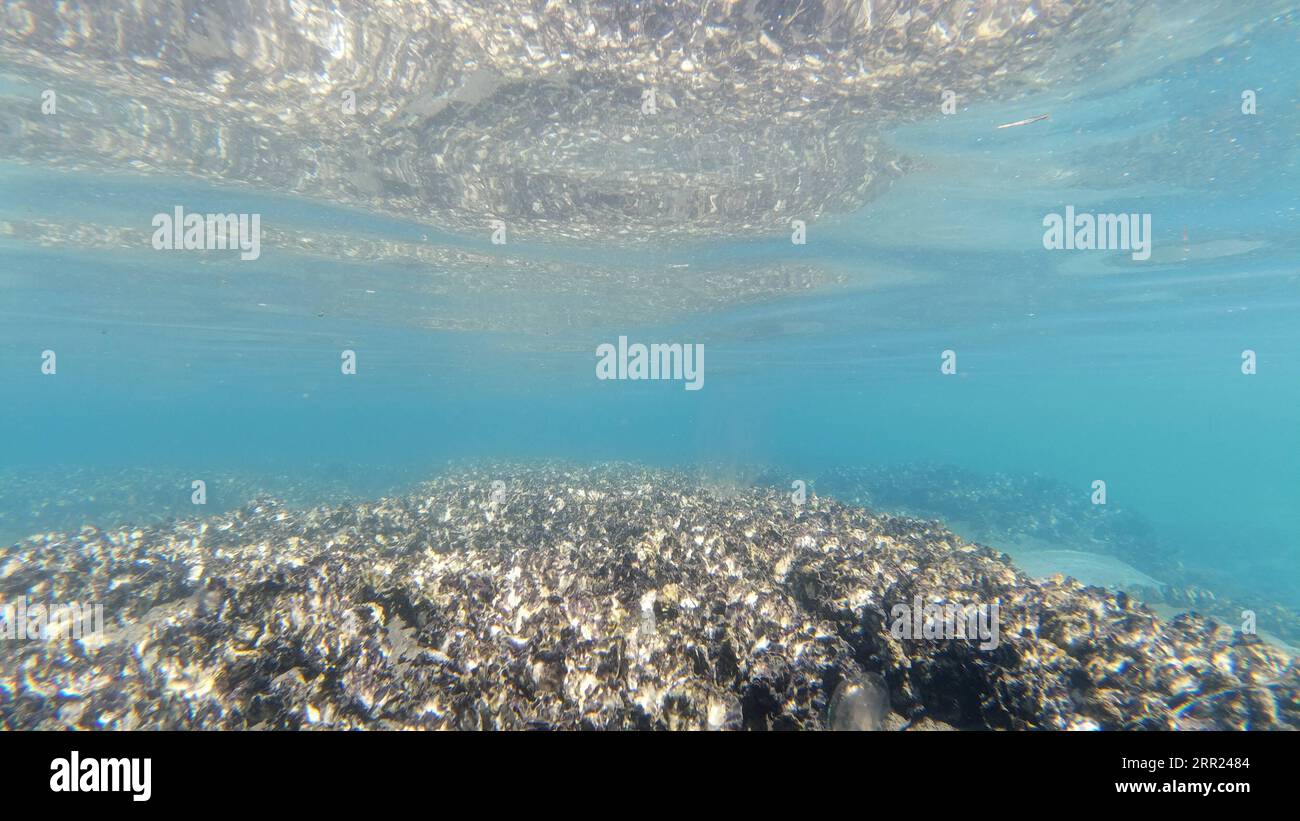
1025,122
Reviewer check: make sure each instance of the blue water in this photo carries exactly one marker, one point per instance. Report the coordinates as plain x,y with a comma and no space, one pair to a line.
1072,365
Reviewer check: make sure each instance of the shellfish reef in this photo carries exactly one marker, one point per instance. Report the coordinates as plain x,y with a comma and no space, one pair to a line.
615,597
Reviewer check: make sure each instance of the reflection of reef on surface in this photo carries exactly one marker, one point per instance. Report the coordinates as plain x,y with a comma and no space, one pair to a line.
600,598
456,113
527,294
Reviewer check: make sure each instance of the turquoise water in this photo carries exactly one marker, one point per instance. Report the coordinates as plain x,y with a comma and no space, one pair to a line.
1071,365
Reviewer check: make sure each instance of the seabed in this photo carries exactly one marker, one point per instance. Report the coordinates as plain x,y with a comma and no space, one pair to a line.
610,597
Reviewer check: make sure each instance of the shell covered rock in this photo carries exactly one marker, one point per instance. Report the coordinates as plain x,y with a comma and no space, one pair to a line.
614,597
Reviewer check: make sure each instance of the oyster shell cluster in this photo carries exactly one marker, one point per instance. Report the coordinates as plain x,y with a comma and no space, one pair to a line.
1006,509
63,497
617,597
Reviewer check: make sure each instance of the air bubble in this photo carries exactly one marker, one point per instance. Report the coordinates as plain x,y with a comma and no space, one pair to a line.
860,703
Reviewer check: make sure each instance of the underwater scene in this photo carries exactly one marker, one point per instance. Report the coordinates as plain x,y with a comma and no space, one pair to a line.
710,364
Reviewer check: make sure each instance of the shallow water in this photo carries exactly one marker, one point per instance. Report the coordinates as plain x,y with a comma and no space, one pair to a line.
1072,366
